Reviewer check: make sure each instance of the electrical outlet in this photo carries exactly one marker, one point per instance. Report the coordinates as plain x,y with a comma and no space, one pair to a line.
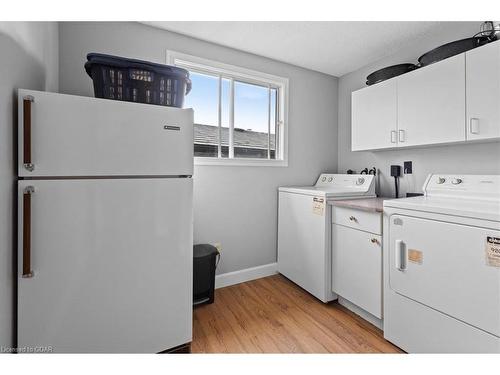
407,167
218,245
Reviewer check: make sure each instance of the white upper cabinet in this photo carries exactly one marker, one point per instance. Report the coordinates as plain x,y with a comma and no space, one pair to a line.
454,100
431,104
483,92
374,117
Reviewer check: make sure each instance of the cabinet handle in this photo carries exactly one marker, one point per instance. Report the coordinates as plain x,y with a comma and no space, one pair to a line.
352,218
27,272
400,254
374,240
393,136
474,125
401,136
27,163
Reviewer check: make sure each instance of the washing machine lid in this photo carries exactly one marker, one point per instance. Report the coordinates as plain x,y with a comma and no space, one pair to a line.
472,196
336,185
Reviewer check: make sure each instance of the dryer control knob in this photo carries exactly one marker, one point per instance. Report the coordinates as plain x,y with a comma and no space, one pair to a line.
360,181
330,179
456,181
323,179
441,180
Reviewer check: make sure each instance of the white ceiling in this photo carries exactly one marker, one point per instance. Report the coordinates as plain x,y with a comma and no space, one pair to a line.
334,48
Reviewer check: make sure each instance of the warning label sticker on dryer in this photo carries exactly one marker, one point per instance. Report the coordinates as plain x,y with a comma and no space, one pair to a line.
415,256
318,206
493,251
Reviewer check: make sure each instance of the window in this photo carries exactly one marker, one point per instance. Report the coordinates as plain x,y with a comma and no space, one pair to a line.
239,114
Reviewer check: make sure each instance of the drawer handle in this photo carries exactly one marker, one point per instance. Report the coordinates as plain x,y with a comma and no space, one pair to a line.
352,218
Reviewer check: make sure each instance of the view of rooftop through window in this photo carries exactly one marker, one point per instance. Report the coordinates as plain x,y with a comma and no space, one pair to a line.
254,117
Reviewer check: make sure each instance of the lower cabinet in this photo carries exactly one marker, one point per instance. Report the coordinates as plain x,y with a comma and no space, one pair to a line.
357,267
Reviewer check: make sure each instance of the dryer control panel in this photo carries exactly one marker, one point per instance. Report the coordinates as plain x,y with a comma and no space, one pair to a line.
465,186
344,180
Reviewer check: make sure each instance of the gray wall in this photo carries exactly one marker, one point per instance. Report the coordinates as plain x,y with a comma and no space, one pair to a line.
236,206
471,158
28,60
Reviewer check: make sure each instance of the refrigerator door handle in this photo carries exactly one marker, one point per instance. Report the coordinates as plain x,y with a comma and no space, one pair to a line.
27,162
27,272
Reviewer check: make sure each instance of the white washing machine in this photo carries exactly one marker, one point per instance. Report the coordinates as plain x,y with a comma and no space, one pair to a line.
442,267
304,229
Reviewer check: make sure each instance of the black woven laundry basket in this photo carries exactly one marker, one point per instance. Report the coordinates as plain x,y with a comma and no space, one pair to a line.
120,78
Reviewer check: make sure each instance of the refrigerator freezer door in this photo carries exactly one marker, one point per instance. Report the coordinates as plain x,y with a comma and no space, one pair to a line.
111,264
66,135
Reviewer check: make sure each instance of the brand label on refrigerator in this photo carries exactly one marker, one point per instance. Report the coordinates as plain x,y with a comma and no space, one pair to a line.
493,251
318,207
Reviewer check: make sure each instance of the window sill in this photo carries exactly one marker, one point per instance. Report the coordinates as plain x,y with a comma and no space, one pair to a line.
240,162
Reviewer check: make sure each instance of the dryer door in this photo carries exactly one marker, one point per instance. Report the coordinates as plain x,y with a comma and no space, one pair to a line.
449,267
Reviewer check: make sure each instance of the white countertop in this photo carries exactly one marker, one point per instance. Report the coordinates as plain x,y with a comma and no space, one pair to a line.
365,204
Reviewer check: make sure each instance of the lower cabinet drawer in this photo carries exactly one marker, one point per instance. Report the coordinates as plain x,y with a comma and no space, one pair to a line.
357,219
357,267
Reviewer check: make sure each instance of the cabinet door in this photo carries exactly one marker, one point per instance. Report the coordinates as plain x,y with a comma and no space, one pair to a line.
374,117
357,268
483,92
431,104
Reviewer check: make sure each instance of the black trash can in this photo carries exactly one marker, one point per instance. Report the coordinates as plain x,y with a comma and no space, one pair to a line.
205,260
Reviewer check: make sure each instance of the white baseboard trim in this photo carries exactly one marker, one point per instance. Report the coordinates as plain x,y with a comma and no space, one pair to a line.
236,277
379,323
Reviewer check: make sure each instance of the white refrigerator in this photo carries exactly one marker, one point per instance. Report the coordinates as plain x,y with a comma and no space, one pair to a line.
104,225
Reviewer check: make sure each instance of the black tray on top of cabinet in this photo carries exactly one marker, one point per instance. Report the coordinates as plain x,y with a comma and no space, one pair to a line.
452,49
389,72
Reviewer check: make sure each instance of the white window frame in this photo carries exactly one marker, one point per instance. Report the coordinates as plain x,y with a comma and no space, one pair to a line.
202,65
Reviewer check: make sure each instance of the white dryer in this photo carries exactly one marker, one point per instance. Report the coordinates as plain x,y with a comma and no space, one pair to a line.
304,228
442,267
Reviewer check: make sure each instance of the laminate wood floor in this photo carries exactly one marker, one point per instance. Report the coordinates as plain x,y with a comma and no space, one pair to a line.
273,315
